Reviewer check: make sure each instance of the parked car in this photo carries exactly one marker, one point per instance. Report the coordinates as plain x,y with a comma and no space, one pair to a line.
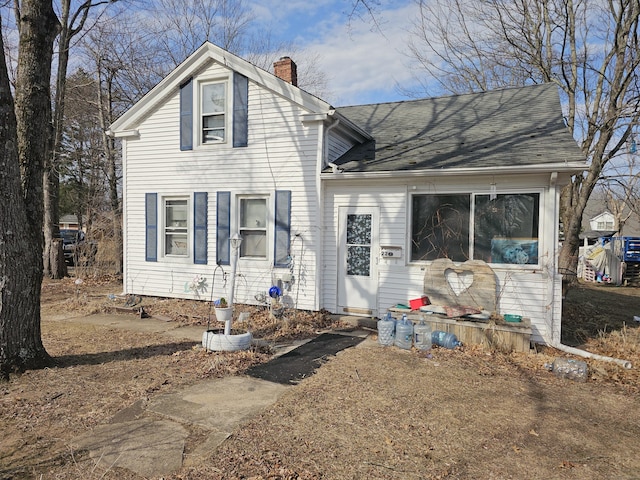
72,241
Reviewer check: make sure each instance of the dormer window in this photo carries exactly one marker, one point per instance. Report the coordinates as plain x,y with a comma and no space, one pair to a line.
604,225
213,112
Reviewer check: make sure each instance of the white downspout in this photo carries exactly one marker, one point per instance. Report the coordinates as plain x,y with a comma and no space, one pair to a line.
326,138
322,152
583,353
556,342
325,158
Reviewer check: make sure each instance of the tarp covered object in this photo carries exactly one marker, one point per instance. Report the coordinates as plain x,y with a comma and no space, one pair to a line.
604,262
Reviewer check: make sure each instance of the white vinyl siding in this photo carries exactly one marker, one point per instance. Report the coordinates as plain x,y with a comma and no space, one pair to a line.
337,145
270,162
523,289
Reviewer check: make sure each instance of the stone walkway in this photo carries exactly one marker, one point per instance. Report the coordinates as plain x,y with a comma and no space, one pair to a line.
150,439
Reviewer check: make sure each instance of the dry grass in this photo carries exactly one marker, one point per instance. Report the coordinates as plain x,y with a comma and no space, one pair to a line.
471,413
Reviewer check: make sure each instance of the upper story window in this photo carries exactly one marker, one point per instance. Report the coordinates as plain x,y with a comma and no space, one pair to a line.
605,225
503,230
253,227
176,224
213,112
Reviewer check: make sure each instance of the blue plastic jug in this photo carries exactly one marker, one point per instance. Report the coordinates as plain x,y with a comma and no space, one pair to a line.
404,333
422,335
445,339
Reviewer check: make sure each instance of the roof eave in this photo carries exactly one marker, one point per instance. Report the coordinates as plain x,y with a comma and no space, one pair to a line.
364,135
568,167
207,52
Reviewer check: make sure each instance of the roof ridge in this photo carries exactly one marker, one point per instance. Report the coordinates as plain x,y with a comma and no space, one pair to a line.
453,95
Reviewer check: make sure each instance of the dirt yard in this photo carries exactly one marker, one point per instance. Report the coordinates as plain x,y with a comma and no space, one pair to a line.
367,413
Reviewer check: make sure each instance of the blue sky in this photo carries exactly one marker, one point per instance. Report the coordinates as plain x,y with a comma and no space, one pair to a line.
362,64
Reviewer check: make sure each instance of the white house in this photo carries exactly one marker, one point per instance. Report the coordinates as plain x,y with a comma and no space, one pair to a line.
603,222
345,208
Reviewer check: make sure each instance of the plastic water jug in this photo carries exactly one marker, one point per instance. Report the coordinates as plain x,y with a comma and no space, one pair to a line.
404,333
422,335
569,368
445,339
386,330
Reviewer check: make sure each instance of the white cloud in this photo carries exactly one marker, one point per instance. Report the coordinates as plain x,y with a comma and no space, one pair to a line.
363,63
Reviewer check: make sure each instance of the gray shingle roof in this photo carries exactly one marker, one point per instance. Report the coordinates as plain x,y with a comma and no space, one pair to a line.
510,127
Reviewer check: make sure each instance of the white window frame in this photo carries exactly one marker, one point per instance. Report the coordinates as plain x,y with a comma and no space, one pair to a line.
244,230
472,195
603,225
168,230
202,114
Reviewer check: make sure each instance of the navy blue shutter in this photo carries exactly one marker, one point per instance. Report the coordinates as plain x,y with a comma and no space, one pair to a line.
200,228
282,228
186,116
223,228
151,227
240,110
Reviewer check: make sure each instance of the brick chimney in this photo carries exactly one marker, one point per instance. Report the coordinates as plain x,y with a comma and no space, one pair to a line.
286,69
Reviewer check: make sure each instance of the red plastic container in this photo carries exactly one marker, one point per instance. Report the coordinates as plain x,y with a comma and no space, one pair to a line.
416,303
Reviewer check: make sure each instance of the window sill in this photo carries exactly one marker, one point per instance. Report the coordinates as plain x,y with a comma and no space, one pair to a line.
252,261
176,259
494,266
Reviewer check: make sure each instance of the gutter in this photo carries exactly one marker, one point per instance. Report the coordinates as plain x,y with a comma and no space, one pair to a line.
573,167
345,121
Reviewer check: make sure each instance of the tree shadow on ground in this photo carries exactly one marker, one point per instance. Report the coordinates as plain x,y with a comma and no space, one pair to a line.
137,353
590,310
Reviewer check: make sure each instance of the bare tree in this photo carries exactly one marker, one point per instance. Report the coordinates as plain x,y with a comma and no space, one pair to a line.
180,26
620,186
589,48
73,21
25,133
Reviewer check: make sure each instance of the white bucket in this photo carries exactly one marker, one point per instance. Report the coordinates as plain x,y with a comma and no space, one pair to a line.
224,314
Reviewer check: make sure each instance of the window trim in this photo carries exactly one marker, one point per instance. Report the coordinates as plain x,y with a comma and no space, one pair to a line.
268,228
472,197
188,228
604,225
198,107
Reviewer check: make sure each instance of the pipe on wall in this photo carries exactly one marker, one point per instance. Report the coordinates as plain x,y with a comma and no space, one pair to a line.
583,353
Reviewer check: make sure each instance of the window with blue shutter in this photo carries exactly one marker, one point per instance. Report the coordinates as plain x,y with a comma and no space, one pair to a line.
240,110
151,227
282,228
223,228
186,116
200,228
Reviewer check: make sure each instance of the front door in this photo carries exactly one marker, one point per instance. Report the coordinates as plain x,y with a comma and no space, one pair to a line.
358,261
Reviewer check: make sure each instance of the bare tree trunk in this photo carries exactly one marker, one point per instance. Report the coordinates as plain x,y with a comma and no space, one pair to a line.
571,216
51,183
105,106
52,267
25,141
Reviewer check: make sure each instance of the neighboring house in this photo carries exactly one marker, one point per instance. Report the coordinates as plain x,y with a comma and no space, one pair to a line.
617,263
603,222
597,215
346,208
69,222
602,225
